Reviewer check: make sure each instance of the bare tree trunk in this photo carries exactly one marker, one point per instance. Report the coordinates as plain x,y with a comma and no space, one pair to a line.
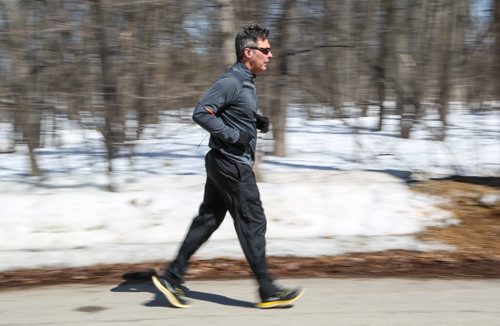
381,66
113,129
424,28
144,73
406,101
279,102
26,121
461,31
358,90
228,29
447,57
496,31
334,54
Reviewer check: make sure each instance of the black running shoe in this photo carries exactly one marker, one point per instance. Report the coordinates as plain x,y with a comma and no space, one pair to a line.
173,293
283,298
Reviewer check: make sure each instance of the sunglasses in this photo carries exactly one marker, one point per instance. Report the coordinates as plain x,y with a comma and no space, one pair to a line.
265,51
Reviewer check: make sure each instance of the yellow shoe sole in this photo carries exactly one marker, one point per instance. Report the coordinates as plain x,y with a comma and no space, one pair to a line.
169,295
279,303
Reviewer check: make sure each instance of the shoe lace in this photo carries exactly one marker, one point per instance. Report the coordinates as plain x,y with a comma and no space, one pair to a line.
284,292
179,292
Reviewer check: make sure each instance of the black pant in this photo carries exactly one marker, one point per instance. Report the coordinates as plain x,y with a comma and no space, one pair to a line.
230,187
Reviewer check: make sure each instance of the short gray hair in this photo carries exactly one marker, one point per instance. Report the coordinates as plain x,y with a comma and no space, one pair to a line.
248,37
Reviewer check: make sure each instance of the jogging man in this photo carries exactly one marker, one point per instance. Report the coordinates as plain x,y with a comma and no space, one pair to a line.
228,111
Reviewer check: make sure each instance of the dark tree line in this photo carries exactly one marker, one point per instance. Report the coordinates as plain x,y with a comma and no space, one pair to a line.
112,59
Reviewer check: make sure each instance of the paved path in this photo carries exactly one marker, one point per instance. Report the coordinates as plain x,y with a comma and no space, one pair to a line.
326,302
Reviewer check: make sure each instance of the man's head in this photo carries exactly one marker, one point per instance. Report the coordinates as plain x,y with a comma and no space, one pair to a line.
252,48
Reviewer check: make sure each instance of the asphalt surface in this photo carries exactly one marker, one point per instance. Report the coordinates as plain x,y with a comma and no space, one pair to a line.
358,301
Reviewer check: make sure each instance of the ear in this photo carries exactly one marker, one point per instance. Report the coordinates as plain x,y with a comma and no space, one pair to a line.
247,53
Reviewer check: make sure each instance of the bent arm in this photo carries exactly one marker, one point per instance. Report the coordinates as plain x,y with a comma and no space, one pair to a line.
206,114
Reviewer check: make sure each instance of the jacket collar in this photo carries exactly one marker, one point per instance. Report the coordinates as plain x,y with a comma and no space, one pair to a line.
244,71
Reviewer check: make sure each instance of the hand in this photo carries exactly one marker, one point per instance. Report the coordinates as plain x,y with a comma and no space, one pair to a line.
262,123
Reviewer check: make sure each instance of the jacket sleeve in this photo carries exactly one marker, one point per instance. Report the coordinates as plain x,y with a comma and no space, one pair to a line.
207,111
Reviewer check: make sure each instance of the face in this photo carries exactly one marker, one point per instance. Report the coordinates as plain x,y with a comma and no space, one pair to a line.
257,60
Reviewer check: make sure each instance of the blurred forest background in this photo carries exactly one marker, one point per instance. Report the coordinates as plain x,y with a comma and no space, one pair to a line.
119,63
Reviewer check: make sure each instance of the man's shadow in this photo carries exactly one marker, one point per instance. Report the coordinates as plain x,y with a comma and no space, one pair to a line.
140,281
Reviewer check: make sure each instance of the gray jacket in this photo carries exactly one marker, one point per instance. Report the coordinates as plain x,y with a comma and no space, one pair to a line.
230,106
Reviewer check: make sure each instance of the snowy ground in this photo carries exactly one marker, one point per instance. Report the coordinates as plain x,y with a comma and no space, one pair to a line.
337,191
